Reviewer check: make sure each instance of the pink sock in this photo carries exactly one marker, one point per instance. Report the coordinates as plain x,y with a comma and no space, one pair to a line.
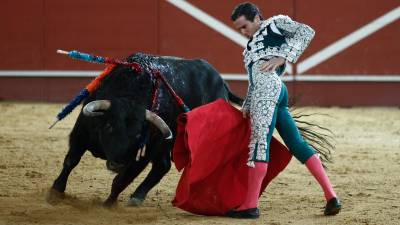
256,176
314,165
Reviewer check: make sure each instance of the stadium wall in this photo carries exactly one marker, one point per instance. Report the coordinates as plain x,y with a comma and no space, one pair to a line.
352,61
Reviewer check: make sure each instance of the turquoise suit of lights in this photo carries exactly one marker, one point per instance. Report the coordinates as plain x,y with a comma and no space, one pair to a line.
267,95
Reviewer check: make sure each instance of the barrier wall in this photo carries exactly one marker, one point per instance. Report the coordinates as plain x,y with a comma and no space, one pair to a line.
353,60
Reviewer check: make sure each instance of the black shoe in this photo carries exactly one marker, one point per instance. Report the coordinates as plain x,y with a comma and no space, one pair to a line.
252,213
332,207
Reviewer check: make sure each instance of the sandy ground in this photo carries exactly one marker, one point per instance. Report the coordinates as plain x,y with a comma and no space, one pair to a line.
365,173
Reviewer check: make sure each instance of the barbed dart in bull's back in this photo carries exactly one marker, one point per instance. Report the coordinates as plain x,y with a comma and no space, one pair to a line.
92,86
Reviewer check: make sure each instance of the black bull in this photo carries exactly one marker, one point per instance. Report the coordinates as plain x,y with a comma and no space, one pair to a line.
114,127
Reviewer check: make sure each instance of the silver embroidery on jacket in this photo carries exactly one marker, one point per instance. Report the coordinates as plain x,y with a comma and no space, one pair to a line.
297,36
263,93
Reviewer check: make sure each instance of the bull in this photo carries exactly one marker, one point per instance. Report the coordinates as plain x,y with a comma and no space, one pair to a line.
121,116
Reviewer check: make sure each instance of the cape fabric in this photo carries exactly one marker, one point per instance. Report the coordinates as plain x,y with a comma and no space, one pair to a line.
212,149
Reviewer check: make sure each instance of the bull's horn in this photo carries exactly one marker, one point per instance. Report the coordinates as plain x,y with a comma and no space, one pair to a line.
159,123
91,108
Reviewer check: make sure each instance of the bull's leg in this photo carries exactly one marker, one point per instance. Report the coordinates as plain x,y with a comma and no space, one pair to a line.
123,179
161,166
76,150
71,160
77,147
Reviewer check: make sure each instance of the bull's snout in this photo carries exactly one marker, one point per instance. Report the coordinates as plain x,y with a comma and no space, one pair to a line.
115,167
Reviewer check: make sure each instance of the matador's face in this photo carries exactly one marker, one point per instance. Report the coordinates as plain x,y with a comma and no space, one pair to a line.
247,27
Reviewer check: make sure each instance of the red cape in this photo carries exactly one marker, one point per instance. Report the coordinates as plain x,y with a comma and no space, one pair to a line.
212,148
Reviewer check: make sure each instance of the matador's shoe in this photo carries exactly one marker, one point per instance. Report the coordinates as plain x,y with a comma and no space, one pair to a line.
252,213
332,207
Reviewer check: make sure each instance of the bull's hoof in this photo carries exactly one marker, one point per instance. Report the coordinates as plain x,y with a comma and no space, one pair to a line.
59,185
109,203
135,201
54,197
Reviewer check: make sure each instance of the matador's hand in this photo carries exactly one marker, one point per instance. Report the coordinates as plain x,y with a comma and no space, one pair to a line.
272,64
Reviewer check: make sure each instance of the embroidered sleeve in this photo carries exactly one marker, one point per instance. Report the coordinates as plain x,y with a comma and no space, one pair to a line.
298,36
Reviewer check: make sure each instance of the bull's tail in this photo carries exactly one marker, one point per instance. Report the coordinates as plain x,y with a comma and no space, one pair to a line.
232,97
318,137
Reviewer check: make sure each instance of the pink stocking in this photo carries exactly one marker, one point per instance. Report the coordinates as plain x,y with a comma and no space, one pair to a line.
256,176
314,165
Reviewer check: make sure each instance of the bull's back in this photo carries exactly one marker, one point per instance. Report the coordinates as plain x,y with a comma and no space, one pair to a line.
196,81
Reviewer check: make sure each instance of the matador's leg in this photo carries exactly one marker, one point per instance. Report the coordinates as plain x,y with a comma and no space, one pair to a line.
304,153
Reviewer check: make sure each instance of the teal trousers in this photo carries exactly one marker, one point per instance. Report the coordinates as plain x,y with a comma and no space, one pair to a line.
284,123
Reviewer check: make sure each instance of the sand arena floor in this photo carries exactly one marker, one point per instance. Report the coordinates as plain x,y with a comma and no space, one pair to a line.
365,174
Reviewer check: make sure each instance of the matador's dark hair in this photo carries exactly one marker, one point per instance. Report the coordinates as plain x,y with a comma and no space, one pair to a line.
246,9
